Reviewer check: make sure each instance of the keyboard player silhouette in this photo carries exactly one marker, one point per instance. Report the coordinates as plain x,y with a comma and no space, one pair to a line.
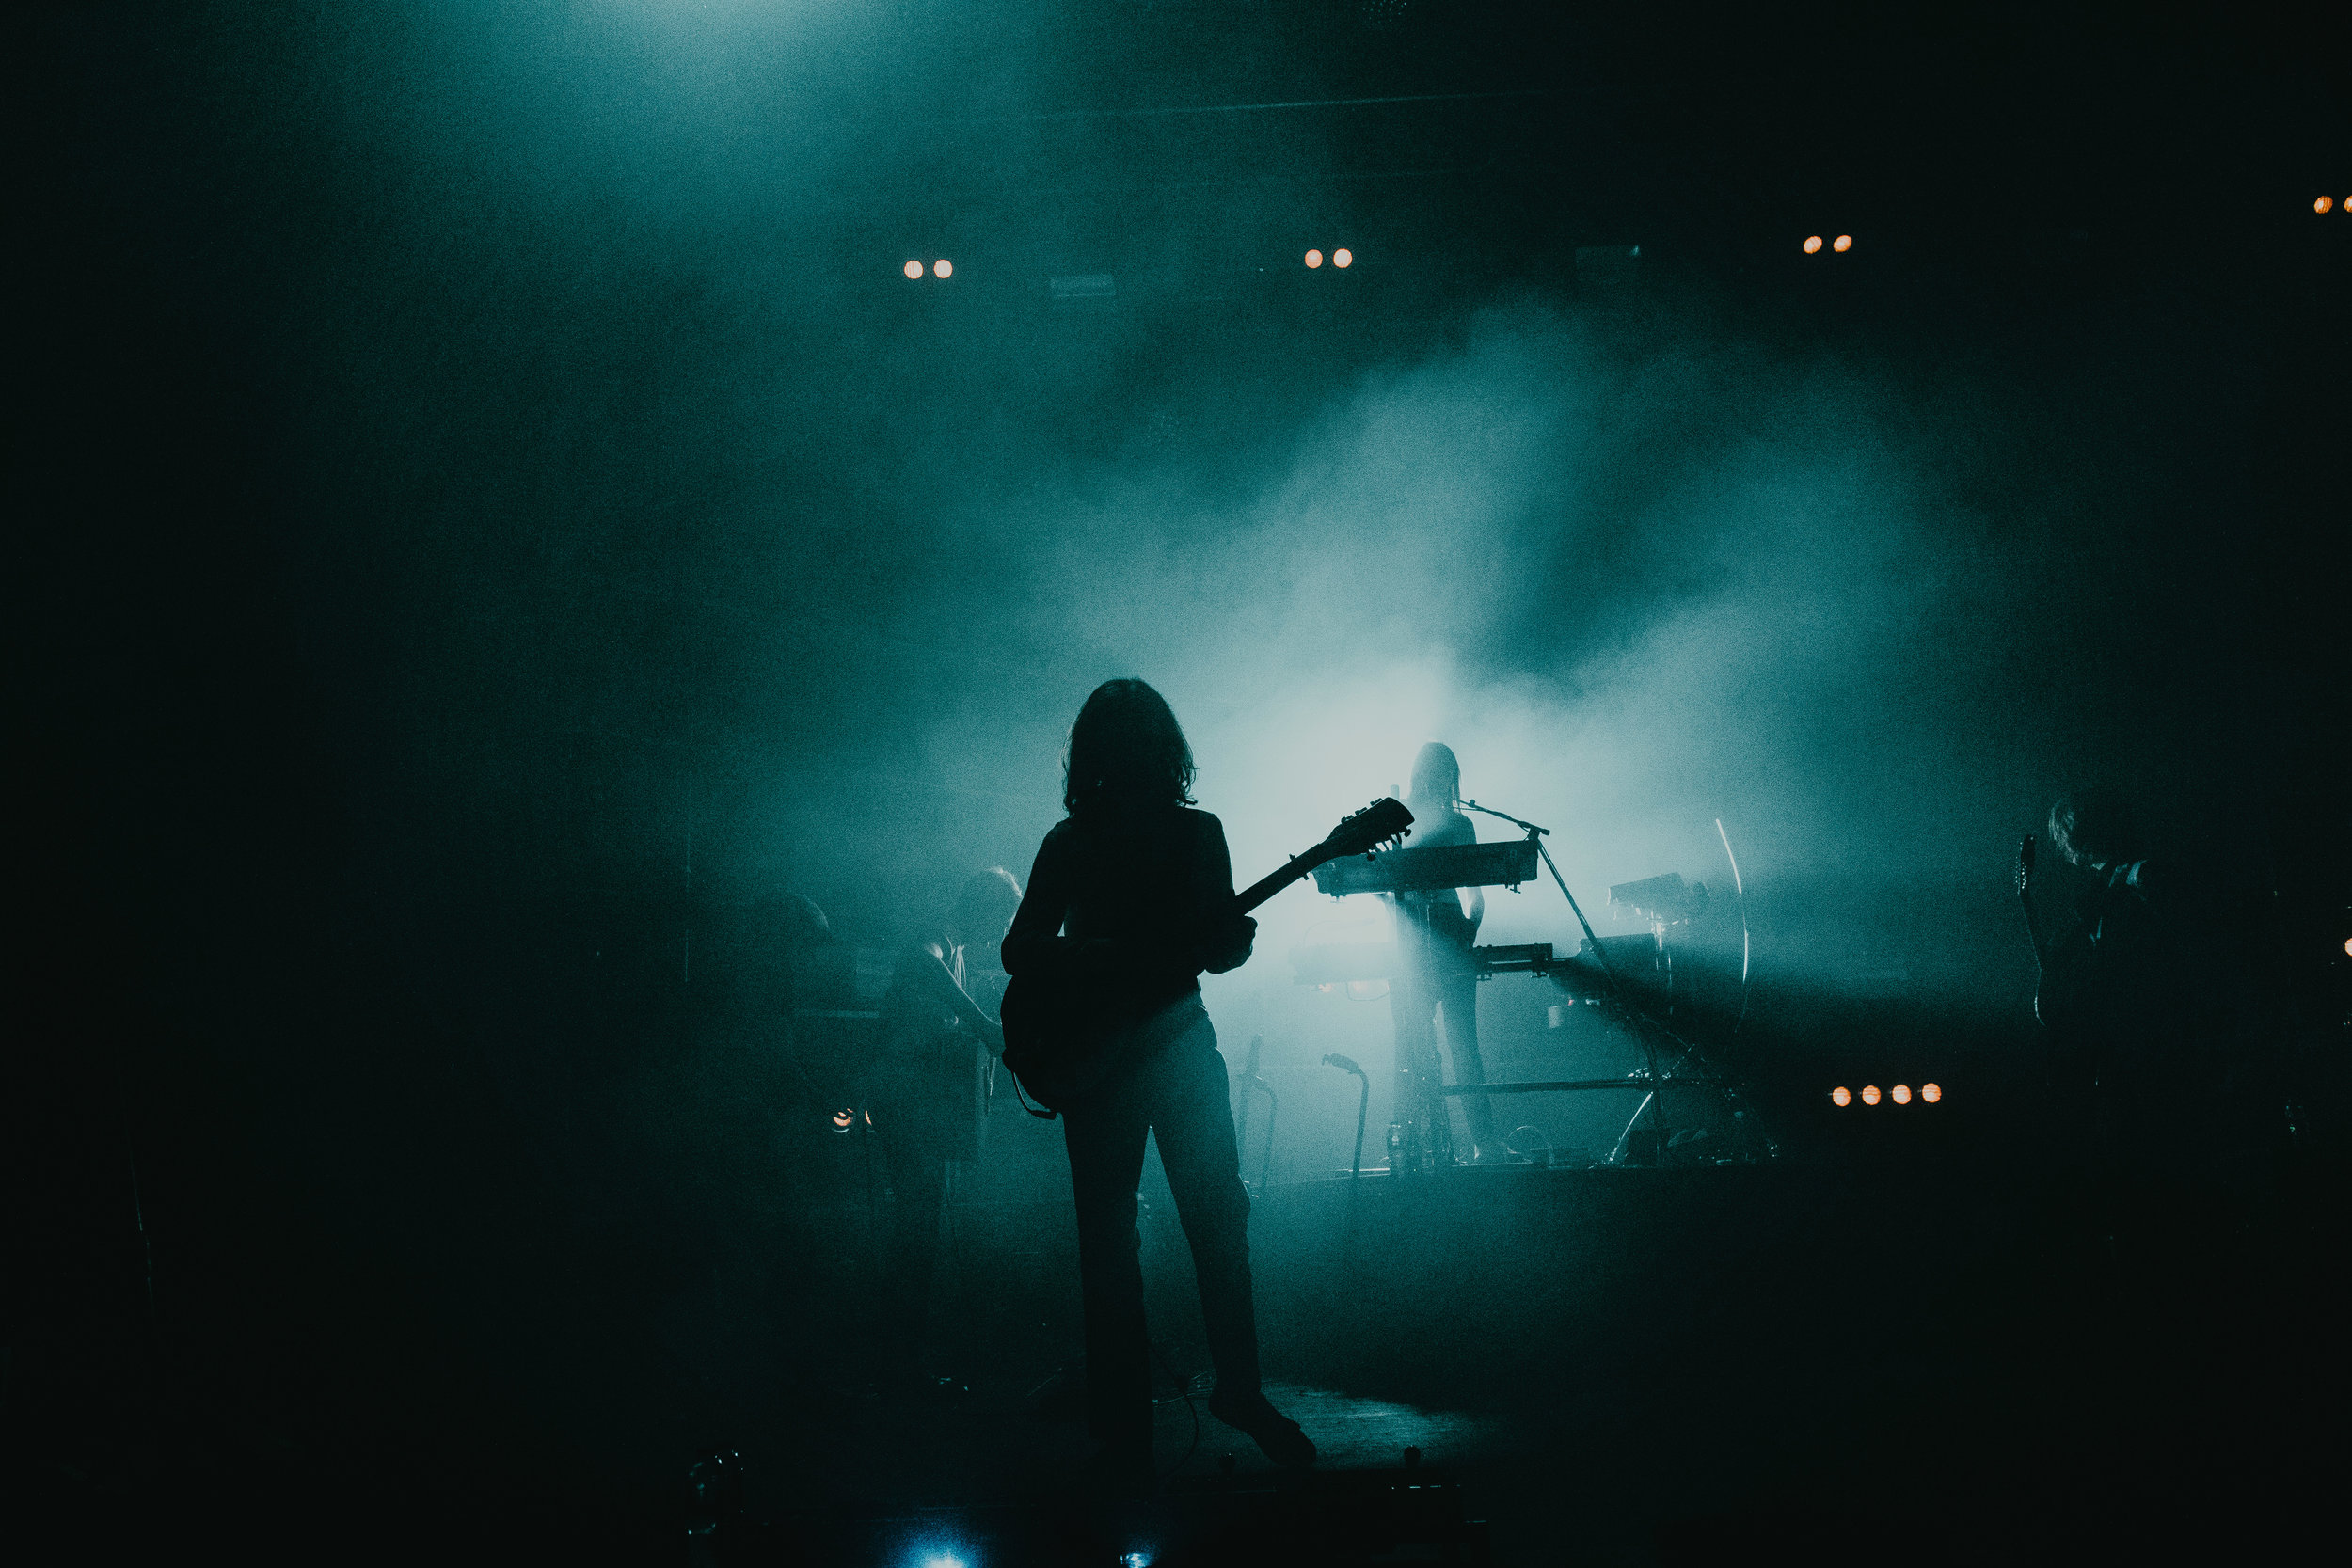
1436,982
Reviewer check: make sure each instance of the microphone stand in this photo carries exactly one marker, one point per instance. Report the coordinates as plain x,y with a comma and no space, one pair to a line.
1651,1101
1356,1171
1363,1103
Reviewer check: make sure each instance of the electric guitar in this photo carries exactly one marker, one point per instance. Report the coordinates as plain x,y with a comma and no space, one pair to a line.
1063,1039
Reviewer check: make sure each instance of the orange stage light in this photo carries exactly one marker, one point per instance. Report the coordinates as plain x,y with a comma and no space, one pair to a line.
1930,1092
1841,1096
1843,242
1869,1094
943,268
1901,1093
1314,257
2322,203
1812,243
912,269
1342,258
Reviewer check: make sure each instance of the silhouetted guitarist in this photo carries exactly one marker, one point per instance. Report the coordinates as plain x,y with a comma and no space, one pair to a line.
1131,899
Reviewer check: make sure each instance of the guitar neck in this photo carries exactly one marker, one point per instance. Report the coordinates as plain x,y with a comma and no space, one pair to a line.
1267,887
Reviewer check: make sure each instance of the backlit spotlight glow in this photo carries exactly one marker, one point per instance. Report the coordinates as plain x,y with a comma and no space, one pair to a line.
1342,258
1135,1559
1812,243
912,269
1869,1094
943,1559
1930,1092
1843,242
943,268
1314,259
2323,204
1901,1093
1841,1096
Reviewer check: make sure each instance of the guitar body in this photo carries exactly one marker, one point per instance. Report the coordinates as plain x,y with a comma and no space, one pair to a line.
1063,1040
1052,1035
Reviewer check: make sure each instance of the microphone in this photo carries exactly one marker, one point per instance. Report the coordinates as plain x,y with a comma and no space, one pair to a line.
1345,1064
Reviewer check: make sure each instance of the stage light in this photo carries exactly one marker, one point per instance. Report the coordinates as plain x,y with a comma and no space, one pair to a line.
2322,203
1843,242
943,268
1314,259
1342,258
1812,243
1901,1093
1841,1096
1135,1559
1869,1094
912,269
1930,1092
844,1120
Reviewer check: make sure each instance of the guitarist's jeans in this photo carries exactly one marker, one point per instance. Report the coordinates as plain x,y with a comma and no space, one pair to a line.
1180,1096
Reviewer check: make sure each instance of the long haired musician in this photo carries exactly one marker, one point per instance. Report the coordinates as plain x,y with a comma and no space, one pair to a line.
1131,895
1436,979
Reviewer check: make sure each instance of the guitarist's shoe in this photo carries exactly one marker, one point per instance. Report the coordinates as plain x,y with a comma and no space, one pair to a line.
1276,1435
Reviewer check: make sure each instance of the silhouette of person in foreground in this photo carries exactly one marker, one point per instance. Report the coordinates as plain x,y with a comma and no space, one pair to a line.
1132,894
1435,979
929,1086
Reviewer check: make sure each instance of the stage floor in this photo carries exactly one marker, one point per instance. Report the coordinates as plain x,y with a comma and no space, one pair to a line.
1645,1366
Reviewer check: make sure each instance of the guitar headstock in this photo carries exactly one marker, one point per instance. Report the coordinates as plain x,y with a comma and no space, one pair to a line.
1384,822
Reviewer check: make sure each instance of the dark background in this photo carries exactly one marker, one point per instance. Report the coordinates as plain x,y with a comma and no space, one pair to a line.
488,509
